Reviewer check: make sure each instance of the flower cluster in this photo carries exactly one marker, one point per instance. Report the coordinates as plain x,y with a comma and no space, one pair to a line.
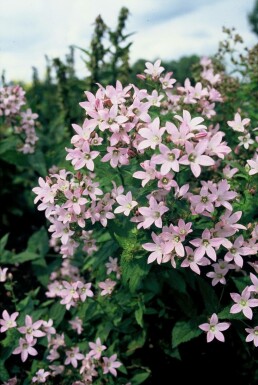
12,99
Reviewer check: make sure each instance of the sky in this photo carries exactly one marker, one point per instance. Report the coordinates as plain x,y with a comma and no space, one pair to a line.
166,29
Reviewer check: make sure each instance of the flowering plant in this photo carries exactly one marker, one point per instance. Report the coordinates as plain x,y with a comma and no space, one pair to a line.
155,220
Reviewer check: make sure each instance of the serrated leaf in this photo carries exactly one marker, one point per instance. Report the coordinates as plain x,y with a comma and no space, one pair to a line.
185,331
4,376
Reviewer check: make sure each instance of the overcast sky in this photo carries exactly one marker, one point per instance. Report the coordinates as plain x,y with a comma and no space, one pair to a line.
166,29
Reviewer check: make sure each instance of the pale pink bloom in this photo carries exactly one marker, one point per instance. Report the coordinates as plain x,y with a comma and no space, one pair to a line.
53,354
175,235
117,190
41,376
56,369
47,327
236,250
208,74
195,158
228,224
204,201
75,200
84,290
83,133
238,124
218,276
76,325
229,172
8,321
107,286
148,174
126,204
193,125
180,135
193,261
81,157
154,99
72,356
254,286
69,294
152,135
152,214
214,328
116,156
110,365
154,70
205,61
245,140
31,329
217,147
252,336
96,349
167,159
207,245
166,81
253,163
159,248
25,348
223,194
3,273
112,266
243,303
45,192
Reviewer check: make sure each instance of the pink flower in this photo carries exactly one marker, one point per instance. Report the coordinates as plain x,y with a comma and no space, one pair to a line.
41,376
238,124
207,245
195,158
167,159
110,365
31,329
116,156
214,328
3,273
76,325
72,356
191,124
218,275
148,174
152,214
96,349
154,69
236,250
253,335
25,348
253,163
159,248
194,261
152,135
254,286
126,204
8,321
84,290
107,286
82,157
243,303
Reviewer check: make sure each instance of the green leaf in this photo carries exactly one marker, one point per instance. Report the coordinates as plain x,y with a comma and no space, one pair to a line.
136,343
39,242
185,331
3,243
225,314
8,144
57,312
4,376
139,315
25,256
133,271
139,378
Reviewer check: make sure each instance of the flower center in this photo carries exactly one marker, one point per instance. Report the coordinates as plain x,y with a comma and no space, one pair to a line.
191,157
171,156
